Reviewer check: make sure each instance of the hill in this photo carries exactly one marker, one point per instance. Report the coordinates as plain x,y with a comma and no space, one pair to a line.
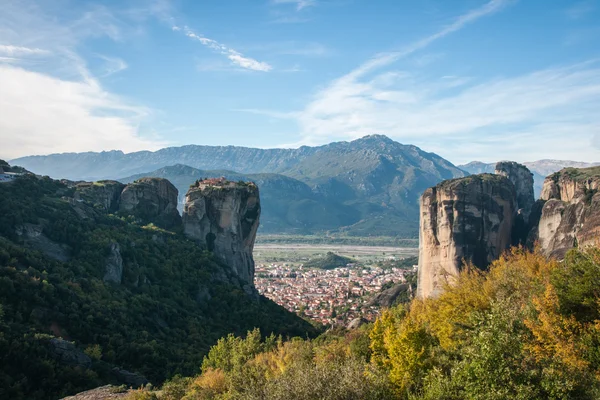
68,324
329,261
366,187
540,169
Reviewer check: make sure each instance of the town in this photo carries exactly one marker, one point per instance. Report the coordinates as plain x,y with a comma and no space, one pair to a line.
330,297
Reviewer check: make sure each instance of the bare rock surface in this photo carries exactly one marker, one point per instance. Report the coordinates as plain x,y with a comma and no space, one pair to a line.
107,392
106,194
570,215
114,265
522,178
152,200
67,353
33,236
223,217
466,219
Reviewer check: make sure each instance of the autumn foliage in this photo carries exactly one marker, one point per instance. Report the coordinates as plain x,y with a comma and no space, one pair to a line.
527,328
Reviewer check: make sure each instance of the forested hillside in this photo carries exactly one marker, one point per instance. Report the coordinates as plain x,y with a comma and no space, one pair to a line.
529,328
57,261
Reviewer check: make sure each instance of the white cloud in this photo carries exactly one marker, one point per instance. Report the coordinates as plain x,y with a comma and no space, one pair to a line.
43,115
16,51
234,56
50,100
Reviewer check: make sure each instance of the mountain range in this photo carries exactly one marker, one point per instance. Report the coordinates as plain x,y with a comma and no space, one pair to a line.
367,187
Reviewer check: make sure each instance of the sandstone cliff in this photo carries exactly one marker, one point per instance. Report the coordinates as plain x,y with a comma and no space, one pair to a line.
105,194
152,200
522,178
570,215
223,216
466,219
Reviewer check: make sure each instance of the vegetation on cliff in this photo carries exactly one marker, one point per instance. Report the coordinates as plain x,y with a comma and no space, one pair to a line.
329,261
174,300
528,328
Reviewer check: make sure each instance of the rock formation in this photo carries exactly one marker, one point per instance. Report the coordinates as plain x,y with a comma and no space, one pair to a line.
570,215
153,200
67,353
114,265
223,216
522,178
466,219
33,236
105,194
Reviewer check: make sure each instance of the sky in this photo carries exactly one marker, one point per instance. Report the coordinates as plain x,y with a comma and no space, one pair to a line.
466,79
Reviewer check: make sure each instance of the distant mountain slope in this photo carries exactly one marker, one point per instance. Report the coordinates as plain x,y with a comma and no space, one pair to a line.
540,169
288,205
370,186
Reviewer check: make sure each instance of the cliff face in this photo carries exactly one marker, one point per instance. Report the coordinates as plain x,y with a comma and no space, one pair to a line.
467,219
223,217
522,178
571,211
105,194
149,199
152,200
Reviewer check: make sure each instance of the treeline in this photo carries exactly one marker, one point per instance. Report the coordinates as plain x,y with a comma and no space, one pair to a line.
529,328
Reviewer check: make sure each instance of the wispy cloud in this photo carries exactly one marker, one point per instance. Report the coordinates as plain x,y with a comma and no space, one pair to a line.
17,51
510,117
234,56
298,4
112,65
51,100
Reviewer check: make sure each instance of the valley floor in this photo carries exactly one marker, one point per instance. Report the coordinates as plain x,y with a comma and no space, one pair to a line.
330,297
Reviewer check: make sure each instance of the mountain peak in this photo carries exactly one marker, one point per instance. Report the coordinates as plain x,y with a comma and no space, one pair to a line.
376,138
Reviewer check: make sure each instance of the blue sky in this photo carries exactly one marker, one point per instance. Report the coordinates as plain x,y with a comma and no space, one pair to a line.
467,79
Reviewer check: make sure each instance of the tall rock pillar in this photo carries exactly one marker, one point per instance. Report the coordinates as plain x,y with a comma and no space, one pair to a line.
466,219
223,217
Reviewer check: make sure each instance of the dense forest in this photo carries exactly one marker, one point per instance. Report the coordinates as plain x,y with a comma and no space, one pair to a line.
529,328
173,303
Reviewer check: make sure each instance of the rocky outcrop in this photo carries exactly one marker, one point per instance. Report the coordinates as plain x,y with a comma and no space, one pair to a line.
67,353
151,200
33,236
130,379
522,178
108,392
104,194
570,214
114,265
466,219
388,297
223,217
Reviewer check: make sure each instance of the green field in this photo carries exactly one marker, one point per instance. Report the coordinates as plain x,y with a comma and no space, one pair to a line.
299,253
